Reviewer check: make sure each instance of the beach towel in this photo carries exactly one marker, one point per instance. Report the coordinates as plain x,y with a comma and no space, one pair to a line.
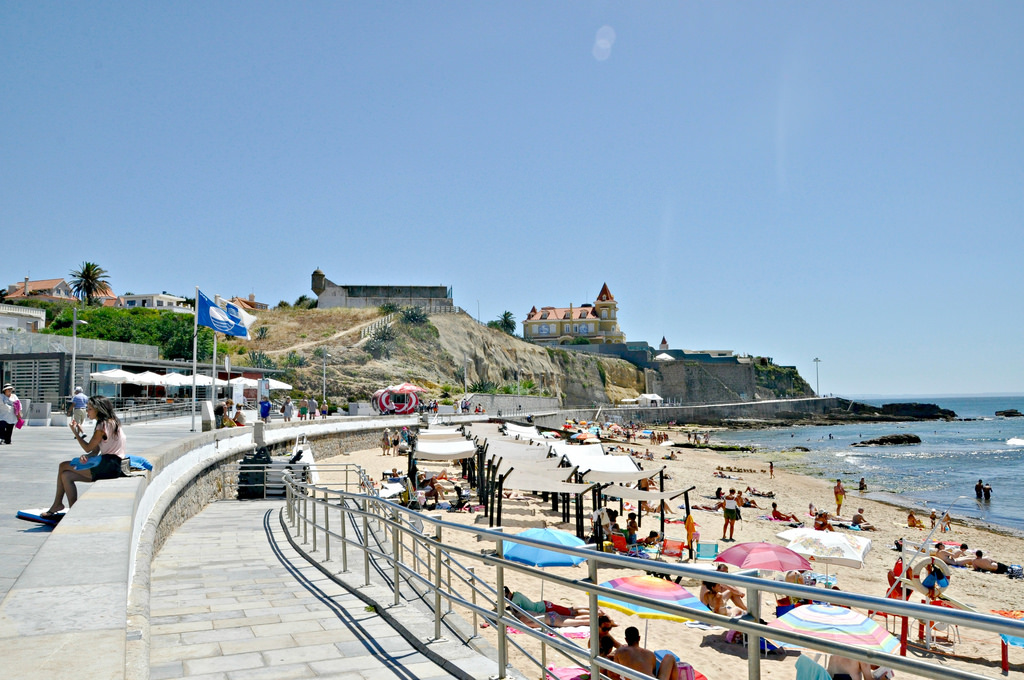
573,632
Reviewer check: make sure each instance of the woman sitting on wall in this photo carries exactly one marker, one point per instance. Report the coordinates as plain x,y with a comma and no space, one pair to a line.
102,459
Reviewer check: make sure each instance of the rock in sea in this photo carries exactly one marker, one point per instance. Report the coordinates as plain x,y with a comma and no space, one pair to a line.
891,440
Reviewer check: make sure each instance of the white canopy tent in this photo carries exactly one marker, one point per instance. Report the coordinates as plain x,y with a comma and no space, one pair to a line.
650,400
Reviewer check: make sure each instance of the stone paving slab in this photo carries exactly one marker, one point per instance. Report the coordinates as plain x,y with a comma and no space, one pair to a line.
300,624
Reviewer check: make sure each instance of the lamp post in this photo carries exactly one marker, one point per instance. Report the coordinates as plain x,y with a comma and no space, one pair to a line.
326,356
817,385
74,344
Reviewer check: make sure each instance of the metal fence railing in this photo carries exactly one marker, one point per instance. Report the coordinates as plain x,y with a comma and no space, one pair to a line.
344,513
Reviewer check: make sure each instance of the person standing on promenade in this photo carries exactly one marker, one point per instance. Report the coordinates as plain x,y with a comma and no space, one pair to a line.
314,407
10,413
265,409
78,404
840,493
288,409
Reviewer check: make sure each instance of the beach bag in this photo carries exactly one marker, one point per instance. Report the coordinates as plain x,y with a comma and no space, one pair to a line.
685,671
1015,571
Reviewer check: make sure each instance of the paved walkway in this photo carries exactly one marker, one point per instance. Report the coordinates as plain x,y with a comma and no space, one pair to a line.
230,598
28,478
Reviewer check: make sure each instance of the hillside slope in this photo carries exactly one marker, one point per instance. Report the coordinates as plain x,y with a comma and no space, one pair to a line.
434,354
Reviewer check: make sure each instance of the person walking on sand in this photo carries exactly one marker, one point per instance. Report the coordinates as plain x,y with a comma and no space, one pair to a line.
840,493
771,470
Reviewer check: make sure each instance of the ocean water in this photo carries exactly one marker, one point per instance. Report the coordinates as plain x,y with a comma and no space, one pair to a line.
946,464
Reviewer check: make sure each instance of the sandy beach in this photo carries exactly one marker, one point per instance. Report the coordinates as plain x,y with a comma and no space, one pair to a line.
707,650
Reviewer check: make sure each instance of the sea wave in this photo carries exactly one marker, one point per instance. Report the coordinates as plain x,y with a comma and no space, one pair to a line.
1015,441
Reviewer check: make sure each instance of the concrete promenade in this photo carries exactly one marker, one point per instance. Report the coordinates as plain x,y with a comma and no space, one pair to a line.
230,598
28,479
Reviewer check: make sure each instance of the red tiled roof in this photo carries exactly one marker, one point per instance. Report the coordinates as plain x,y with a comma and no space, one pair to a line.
18,289
561,313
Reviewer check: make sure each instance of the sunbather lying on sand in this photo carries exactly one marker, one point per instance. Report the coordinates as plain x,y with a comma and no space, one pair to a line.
781,516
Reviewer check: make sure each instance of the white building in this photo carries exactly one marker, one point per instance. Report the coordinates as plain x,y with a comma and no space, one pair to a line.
22,318
162,301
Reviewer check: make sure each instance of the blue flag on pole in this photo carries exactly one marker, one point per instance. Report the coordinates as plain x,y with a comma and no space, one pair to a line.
229,321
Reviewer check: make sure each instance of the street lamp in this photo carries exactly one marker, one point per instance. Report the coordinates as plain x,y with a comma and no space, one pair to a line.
75,323
817,385
326,356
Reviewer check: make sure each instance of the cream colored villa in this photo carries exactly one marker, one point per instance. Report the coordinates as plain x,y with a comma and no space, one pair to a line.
596,322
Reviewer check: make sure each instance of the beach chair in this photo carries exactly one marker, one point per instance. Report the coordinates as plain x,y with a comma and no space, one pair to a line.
673,547
620,544
707,551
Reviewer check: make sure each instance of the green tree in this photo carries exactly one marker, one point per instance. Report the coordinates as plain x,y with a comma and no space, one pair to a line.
88,281
304,302
505,323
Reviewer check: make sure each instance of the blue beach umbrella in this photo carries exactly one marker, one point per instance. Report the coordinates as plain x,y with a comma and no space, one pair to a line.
539,557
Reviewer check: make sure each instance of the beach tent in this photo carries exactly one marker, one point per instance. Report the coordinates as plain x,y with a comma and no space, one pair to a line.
650,400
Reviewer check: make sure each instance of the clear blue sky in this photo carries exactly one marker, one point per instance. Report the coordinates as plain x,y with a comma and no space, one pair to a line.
833,179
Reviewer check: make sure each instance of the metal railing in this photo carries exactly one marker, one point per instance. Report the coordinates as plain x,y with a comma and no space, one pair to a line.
407,549
369,330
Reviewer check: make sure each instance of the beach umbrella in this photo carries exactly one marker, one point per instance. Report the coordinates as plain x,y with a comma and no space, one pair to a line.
583,435
176,380
654,588
242,380
406,388
539,557
828,547
837,624
114,375
147,378
278,385
548,434
763,556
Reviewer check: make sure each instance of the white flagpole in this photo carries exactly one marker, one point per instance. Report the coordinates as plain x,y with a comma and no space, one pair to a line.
195,340
213,371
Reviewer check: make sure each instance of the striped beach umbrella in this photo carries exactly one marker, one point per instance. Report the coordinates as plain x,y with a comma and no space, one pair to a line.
837,624
654,588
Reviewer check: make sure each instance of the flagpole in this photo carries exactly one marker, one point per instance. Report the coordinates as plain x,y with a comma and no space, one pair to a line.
195,339
213,371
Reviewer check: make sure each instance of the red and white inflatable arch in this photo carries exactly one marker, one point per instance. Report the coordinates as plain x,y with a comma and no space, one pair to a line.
399,399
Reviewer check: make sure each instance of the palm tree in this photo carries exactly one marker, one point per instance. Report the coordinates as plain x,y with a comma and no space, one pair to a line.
88,281
507,322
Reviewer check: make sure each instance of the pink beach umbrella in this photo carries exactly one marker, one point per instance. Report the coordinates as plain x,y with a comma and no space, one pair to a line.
763,556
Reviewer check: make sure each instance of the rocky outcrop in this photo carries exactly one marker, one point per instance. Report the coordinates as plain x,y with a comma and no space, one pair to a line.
918,411
1010,413
891,440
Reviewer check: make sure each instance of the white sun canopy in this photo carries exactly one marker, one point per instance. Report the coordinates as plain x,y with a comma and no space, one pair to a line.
444,450
586,463
632,476
561,448
630,493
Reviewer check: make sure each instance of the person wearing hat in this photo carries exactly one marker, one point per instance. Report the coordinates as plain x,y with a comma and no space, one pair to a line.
78,403
10,413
